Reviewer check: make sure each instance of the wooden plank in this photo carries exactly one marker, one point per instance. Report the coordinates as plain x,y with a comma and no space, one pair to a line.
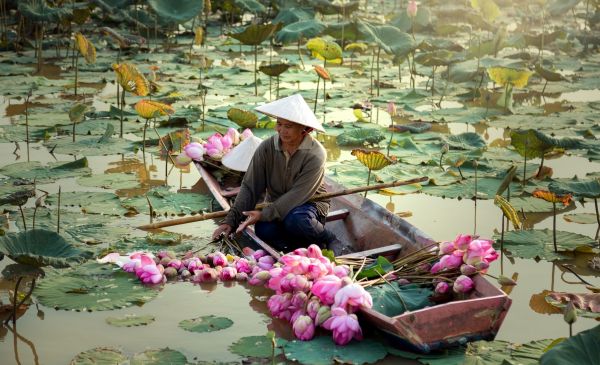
213,186
380,251
337,215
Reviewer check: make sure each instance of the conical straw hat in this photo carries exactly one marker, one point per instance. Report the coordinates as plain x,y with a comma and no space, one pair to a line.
239,157
294,109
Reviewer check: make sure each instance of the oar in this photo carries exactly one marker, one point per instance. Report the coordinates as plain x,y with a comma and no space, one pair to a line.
223,213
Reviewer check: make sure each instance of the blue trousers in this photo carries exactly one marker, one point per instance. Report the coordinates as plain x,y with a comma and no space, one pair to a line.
301,227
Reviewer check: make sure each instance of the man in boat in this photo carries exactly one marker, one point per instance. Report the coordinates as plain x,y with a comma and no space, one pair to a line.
289,169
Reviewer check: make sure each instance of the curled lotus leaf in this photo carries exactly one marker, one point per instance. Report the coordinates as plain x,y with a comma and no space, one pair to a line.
548,75
40,247
243,118
255,34
509,211
325,50
373,160
505,75
322,72
275,69
149,109
552,197
177,11
584,188
39,11
584,302
131,79
256,346
580,349
357,47
294,32
85,47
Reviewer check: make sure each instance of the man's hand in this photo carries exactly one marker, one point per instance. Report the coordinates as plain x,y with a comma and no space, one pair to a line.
222,229
253,217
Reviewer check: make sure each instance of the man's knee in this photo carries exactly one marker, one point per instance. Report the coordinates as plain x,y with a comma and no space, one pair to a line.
300,224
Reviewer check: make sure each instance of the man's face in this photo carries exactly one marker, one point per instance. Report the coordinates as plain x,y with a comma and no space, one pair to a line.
289,132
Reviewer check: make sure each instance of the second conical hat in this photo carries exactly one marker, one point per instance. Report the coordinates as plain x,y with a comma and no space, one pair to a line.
239,157
294,109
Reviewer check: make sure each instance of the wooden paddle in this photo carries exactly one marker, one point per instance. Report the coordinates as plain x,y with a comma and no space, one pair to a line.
223,213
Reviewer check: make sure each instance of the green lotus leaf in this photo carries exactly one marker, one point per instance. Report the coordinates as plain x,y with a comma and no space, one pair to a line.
299,30
386,301
451,356
503,352
100,356
436,58
486,189
16,195
328,8
255,34
466,141
251,6
288,16
110,181
581,218
579,349
14,271
257,346
159,357
44,174
415,128
323,351
377,269
532,205
177,11
90,202
92,287
243,118
360,137
130,320
209,323
538,244
169,203
40,247
406,24
528,143
39,11
560,7
391,39
579,188
489,9
77,112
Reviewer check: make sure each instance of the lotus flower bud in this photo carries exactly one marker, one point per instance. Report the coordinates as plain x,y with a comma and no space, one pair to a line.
246,133
299,299
323,314
260,278
506,281
182,160
447,248
391,109
570,313
170,272
313,306
165,261
468,270
442,287
463,284
411,9
462,241
403,281
304,328
195,151
219,259
241,276
185,273
205,276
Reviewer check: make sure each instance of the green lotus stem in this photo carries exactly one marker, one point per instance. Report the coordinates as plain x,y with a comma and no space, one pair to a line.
324,82
554,226
506,96
150,207
144,139
27,122
23,217
460,172
525,164
192,43
399,72
58,212
255,69
76,72
544,88
368,181
277,88
299,52
378,80
317,94
164,146
122,106
597,216
372,66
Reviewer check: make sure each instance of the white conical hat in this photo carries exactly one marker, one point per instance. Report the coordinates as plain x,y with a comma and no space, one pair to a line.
294,109
239,157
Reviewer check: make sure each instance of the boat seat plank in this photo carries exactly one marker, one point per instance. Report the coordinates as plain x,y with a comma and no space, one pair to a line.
380,251
337,215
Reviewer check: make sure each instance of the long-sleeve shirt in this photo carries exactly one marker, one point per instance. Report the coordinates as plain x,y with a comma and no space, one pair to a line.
288,181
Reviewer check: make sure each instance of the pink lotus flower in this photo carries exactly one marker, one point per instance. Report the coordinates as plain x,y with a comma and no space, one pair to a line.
461,242
260,278
447,262
297,313
326,288
234,135
182,159
300,283
151,274
345,326
246,133
195,151
295,264
442,287
214,146
447,247
241,276
341,271
352,297
301,251
275,281
411,9
480,250
219,259
266,262
312,308
314,252
176,263
279,303
226,142
317,270
259,253
194,264
299,299
285,284
228,273
243,265
463,284
137,261
209,275
304,328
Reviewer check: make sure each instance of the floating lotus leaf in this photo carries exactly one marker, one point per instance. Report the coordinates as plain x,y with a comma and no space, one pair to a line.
130,320
149,109
43,174
159,357
294,32
131,79
548,75
85,47
511,76
177,11
508,210
325,50
326,7
503,352
391,39
561,7
90,202
489,9
360,137
373,160
415,128
209,323
169,203
537,243
580,349
385,298
486,189
440,57
322,72
256,346
91,145
110,181
39,11
553,198
532,205
255,34
579,188
243,118
273,70
581,218
17,198
527,143
40,247
466,141
587,304
92,287
100,356
323,351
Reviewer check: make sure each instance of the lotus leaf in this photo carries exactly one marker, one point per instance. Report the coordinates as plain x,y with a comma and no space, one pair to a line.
92,287
407,24
579,349
581,218
486,189
164,238
149,109
323,351
131,79
325,49
251,6
100,356
177,11
416,127
159,357
587,304
40,247
360,137
466,141
296,31
90,202
537,243
39,11
508,210
14,271
579,188
488,8
390,299
243,118
531,204
130,320
168,203
377,269
509,76
373,160
255,34
291,15
77,112
85,47
436,58
43,174
257,346
90,145
561,7
391,39
110,181
273,70
502,352
209,323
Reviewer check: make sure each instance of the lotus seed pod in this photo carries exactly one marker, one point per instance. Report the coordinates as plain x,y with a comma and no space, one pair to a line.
170,273
165,261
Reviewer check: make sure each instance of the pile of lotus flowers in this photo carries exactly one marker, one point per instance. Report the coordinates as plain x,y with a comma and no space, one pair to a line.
215,147
310,290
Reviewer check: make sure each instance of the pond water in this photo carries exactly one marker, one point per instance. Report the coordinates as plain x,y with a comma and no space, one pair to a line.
44,335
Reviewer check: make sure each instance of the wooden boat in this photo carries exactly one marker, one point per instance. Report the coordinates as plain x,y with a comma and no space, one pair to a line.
374,231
